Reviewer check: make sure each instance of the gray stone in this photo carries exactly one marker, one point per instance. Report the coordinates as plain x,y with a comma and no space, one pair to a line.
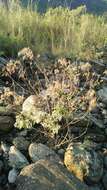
17,159
1,166
6,123
5,147
95,137
61,152
105,161
23,133
102,93
104,180
84,163
47,175
21,143
31,109
12,175
97,187
29,103
106,131
98,66
41,151
97,122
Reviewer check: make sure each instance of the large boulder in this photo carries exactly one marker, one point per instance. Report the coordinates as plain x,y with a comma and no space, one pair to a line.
40,151
48,175
84,162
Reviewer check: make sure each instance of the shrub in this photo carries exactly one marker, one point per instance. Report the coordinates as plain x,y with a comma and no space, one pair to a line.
67,96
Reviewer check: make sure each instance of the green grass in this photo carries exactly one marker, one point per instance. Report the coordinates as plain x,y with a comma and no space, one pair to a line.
60,31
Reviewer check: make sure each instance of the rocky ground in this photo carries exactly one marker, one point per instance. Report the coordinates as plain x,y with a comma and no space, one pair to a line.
30,160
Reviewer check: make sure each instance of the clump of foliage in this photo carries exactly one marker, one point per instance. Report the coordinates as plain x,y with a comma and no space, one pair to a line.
11,98
65,94
61,31
23,122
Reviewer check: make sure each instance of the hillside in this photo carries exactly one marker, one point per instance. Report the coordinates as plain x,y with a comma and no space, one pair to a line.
95,6
53,95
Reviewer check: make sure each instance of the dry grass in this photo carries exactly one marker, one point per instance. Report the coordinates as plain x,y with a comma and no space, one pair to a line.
60,31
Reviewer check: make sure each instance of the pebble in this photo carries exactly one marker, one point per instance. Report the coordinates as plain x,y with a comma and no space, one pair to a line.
12,175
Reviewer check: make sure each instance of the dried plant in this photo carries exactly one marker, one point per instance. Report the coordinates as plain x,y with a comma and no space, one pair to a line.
11,98
65,92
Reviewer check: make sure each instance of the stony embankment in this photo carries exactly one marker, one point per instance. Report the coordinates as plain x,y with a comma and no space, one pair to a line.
31,160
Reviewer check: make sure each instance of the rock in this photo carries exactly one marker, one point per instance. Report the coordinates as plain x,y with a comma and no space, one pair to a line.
84,122
98,138
106,131
5,148
1,188
61,152
47,175
41,151
104,181
84,163
7,111
12,175
23,133
98,66
102,93
29,103
31,108
17,159
21,143
3,180
105,161
1,153
105,145
97,122
2,62
1,166
75,129
33,112
97,187
93,145
6,123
